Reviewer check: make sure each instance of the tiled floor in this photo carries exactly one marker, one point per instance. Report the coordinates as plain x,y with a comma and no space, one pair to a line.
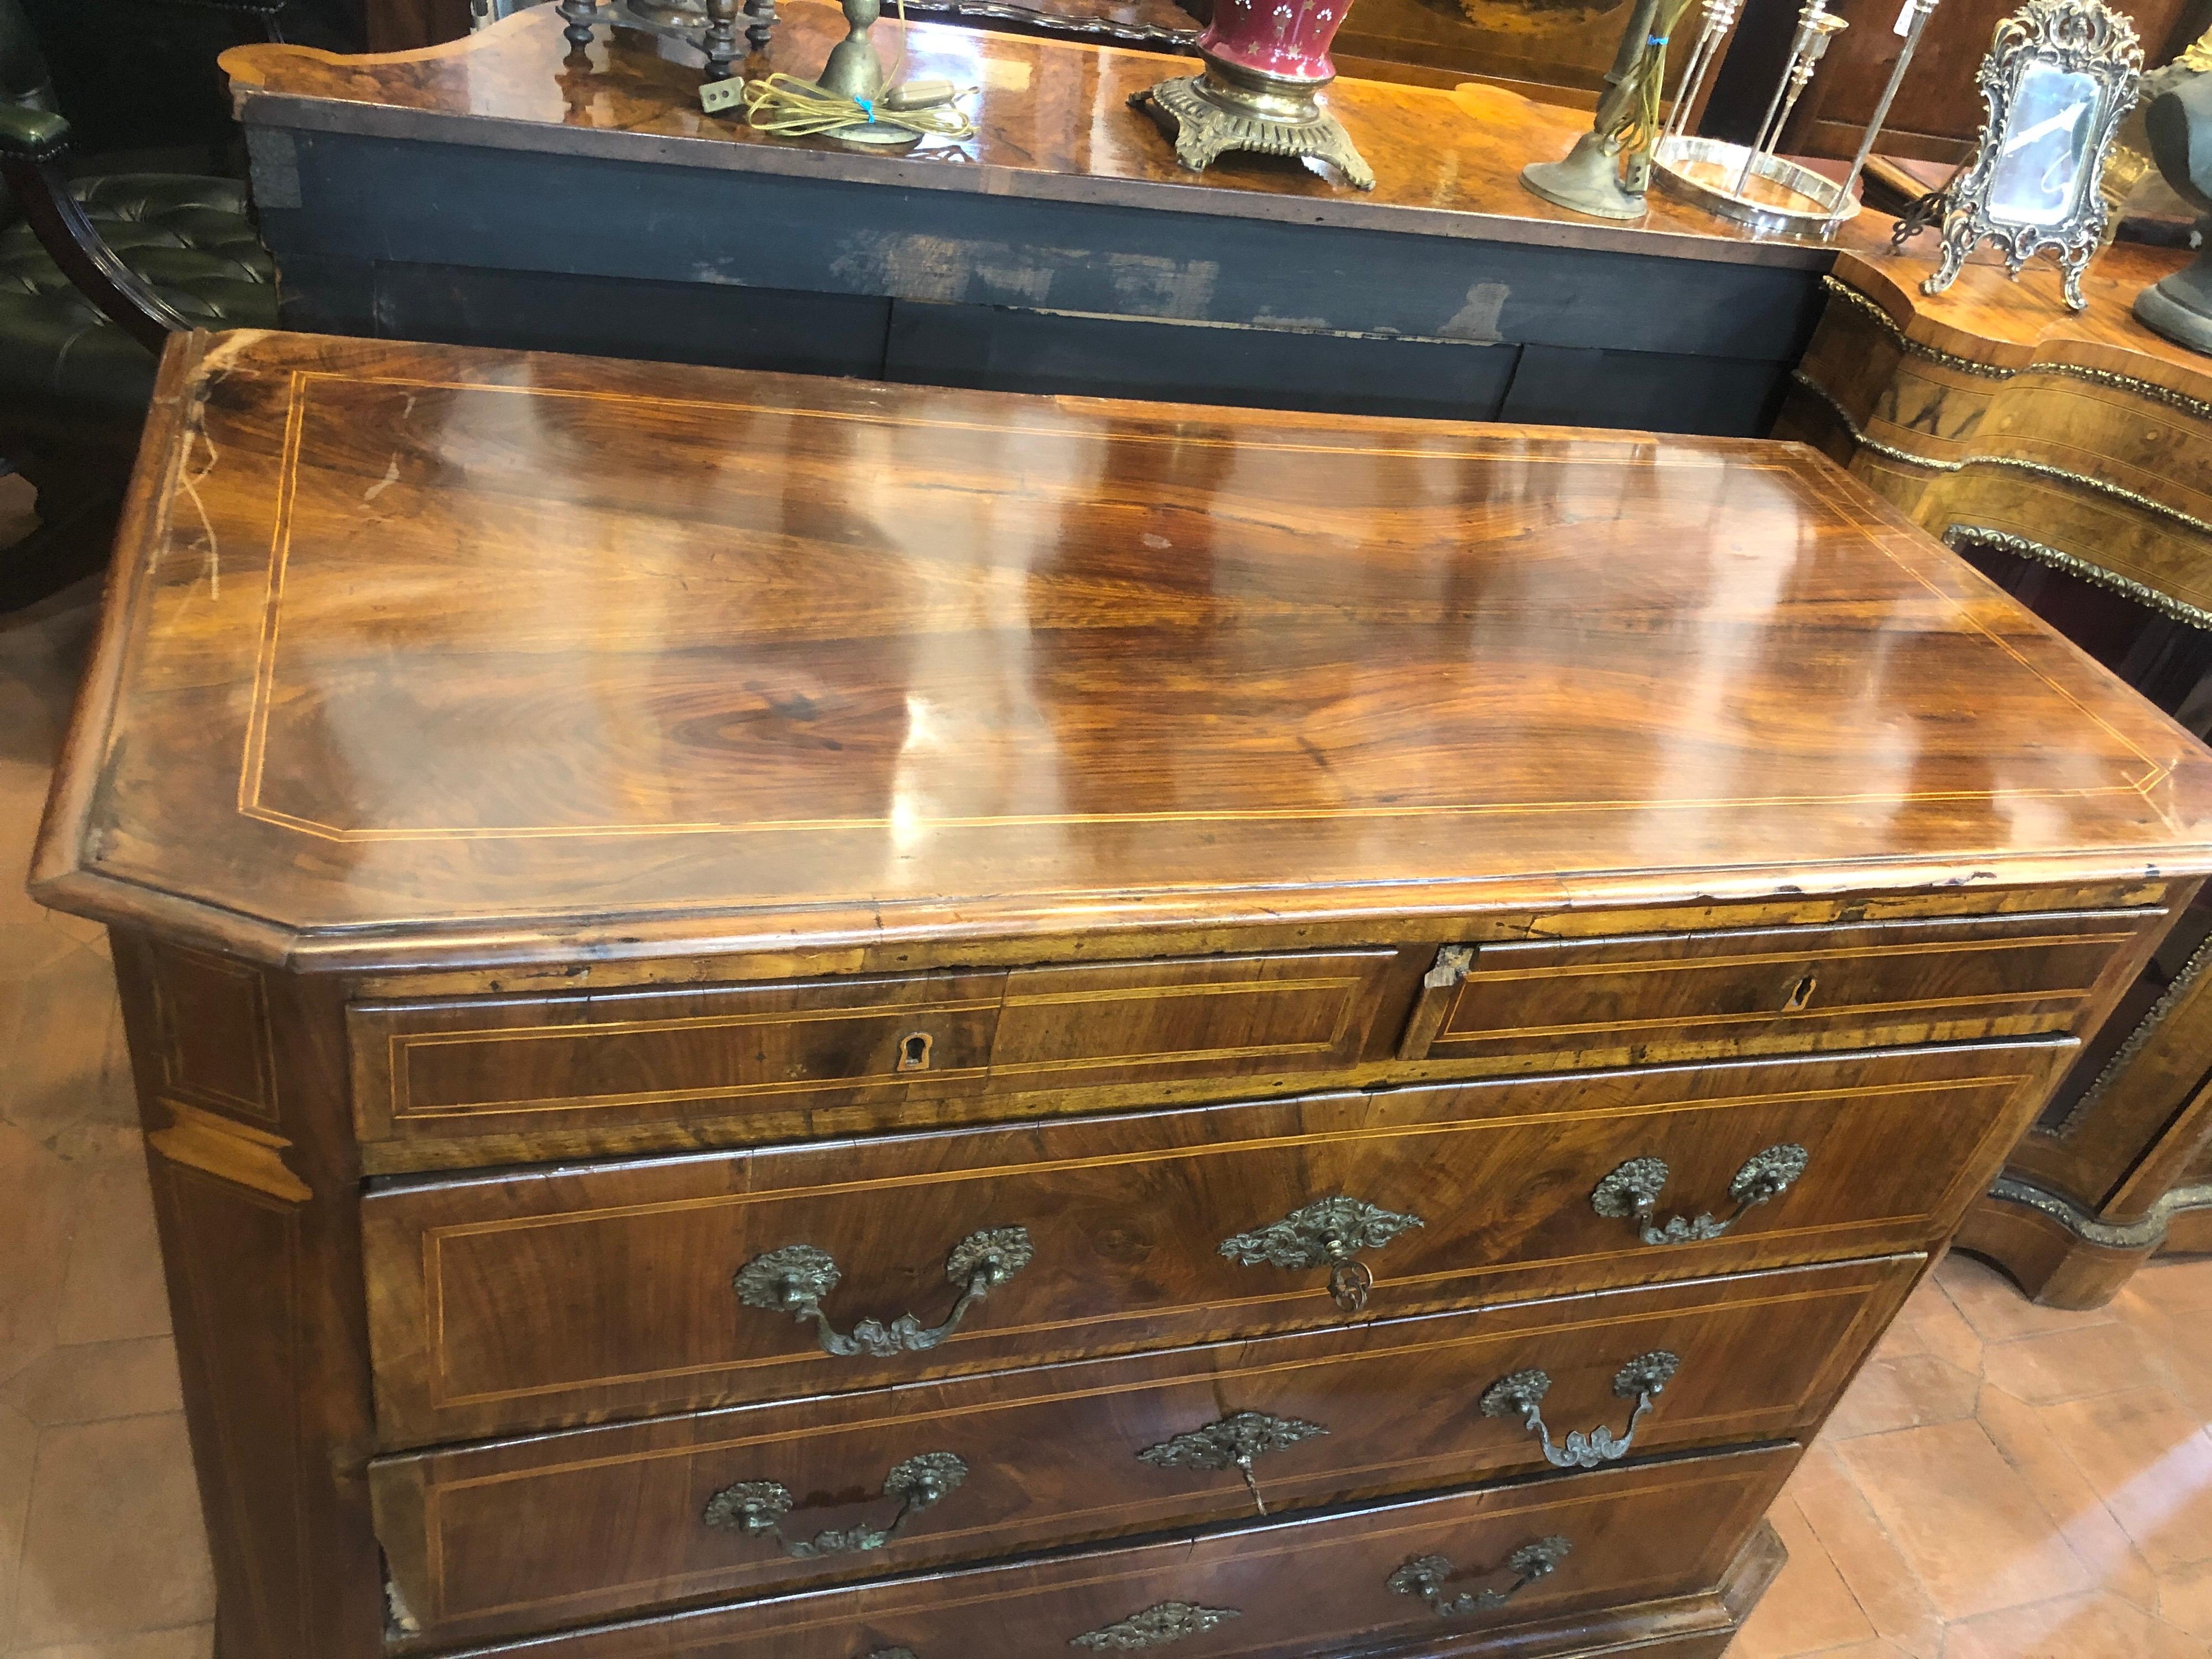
2002,1482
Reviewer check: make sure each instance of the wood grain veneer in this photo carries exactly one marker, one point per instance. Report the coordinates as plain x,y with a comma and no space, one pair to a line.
511,1301
1660,1533
1245,645
505,1538
569,827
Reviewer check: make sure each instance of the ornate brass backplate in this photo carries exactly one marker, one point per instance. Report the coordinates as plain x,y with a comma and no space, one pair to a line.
1643,1379
1231,1442
1155,1627
1630,1192
795,1279
1326,1233
1426,1577
757,1508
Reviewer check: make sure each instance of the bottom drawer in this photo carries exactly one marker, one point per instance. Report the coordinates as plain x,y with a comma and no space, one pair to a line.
1534,1553
524,1535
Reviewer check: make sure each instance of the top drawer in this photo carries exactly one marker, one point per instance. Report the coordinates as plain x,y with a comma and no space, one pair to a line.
604,1059
1636,996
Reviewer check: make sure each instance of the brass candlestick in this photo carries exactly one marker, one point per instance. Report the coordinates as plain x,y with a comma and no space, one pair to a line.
1816,26
711,26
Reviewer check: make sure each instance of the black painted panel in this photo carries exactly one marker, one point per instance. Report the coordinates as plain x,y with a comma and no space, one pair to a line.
1006,349
1713,397
598,316
341,195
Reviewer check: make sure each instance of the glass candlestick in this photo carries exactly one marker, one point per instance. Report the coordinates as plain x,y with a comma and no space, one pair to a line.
1816,26
1720,17
1912,24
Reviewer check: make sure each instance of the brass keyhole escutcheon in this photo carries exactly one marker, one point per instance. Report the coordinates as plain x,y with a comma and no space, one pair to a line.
1800,994
914,1052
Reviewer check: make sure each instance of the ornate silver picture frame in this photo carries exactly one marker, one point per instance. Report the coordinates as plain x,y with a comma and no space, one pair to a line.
2059,76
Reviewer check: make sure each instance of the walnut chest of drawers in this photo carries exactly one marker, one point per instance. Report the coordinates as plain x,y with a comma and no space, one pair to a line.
793,1019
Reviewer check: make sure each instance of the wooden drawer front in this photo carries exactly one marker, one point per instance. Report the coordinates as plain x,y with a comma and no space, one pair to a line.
513,1066
533,1299
1902,982
524,1534
1318,1584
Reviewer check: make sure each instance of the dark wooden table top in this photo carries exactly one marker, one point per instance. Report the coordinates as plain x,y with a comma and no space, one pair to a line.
1053,121
420,653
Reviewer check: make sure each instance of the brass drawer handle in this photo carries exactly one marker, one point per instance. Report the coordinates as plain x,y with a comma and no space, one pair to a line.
1231,1442
1324,1234
795,1279
1426,1576
1631,1192
757,1508
1643,1379
1155,1627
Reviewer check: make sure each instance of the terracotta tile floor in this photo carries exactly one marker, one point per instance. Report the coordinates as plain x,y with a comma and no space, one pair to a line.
2002,1482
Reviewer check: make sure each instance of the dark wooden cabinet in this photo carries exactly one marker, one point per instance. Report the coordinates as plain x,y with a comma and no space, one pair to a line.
404,25
783,1016
1939,110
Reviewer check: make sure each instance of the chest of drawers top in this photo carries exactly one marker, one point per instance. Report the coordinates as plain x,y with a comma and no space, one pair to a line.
425,659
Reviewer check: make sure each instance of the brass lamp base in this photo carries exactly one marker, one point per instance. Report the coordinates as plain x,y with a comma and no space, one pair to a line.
1226,109
1587,180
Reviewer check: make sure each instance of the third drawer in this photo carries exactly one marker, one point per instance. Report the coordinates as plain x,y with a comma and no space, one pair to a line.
533,1299
501,1538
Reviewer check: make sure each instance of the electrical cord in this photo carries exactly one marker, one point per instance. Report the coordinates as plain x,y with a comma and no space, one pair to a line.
792,108
789,107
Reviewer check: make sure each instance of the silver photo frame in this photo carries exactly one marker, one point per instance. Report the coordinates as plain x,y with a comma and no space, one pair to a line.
2059,76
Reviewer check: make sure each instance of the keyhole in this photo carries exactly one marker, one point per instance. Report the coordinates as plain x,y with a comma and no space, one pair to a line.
1800,995
914,1052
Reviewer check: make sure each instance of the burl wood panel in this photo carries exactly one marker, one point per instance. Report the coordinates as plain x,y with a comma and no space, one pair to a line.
1990,408
1635,1535
526,1534
529,1299
1052,117
742,662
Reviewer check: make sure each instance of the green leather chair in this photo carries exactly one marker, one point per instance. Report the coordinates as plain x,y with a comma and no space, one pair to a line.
96,270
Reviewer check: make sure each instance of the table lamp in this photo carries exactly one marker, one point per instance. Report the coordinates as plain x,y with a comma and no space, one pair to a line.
1266,61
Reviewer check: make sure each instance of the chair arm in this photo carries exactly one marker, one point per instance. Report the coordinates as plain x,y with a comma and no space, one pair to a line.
30,139
31,135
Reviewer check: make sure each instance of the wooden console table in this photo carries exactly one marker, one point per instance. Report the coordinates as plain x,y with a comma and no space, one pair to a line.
2071,455
503,190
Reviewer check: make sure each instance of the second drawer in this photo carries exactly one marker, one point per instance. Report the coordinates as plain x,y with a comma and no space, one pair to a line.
540,1299
490,1539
